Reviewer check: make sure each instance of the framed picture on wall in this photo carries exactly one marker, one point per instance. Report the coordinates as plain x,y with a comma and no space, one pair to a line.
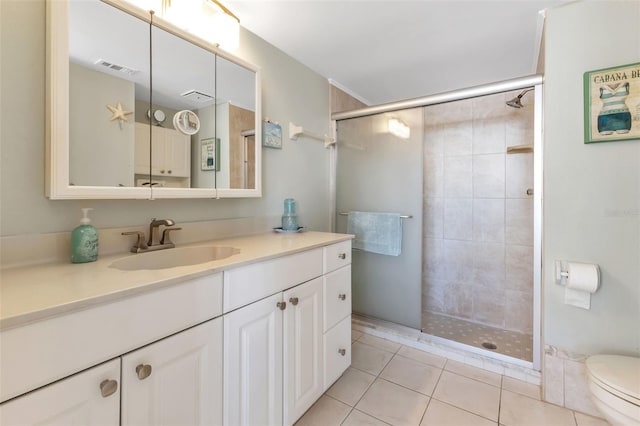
271,135
612,104
210,154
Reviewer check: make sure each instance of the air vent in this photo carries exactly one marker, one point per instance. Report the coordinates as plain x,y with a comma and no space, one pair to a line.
115,67
194,95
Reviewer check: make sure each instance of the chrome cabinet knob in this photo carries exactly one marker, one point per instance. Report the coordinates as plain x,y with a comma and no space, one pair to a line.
293,301
162,171
342,256
169,172
342,296
342,352
108,387
529,191
143,371
282,305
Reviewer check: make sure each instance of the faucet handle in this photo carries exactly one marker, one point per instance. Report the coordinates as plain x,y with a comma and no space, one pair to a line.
140,242
165,235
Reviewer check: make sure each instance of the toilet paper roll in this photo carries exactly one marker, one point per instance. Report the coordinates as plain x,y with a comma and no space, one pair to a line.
583,277
583,280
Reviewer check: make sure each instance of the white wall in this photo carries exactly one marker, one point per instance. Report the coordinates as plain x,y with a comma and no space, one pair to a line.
101,151
592,192
291,92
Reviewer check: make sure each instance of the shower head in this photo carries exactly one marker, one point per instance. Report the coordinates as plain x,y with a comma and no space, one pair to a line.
516,102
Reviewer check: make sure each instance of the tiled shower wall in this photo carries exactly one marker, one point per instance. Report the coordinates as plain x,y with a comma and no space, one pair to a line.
478,218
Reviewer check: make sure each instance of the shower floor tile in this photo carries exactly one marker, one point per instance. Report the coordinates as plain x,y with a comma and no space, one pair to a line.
511,343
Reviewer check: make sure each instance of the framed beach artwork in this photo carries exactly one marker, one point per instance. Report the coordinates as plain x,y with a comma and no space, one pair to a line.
612,104
271,135
210,154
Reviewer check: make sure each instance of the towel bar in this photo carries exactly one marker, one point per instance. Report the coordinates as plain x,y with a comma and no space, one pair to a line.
403,216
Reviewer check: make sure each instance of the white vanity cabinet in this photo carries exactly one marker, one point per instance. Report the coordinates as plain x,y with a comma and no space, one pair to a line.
171,154
274,353
253,364
89,398
337,311
177,380
254,344
273,357
61,361
273,347
302,348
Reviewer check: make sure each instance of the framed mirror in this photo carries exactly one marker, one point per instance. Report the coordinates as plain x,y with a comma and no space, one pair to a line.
140,111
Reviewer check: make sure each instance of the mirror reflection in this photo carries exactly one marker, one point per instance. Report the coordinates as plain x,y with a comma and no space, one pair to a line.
108,67
197,133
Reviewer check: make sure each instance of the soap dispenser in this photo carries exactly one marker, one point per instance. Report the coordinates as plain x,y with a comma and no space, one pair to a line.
84,240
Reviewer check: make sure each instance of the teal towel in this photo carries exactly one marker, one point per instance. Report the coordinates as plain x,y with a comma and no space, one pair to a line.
376,232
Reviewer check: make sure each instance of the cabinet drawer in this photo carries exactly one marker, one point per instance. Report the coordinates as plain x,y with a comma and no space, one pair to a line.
77,400
337,351
66,344
337,296
249,283
336,256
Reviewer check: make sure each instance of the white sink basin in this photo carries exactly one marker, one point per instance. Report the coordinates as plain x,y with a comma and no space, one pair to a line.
171,258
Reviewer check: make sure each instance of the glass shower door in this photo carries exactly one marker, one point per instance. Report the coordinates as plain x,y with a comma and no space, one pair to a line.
380,172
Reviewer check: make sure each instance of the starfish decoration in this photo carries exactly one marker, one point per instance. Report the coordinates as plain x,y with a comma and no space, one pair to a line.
118,113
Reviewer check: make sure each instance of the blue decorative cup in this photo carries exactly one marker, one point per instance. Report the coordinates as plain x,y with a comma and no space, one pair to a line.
289,218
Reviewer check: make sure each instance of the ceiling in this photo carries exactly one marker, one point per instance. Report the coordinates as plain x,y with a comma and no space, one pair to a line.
384,51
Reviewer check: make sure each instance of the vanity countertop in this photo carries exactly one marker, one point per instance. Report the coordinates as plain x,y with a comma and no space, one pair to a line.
31,293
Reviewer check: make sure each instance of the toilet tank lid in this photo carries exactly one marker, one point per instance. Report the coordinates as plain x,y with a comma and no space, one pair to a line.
620,372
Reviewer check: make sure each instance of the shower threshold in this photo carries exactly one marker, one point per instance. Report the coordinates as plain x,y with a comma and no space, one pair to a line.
493,339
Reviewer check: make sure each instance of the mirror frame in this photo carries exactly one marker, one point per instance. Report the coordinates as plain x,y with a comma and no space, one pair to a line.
57,115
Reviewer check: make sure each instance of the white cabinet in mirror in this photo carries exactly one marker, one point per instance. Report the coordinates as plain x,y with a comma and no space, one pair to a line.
147,110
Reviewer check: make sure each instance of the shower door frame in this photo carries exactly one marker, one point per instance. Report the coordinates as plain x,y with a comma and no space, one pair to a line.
534,81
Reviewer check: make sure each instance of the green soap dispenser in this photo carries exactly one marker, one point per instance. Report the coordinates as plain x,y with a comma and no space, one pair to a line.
84,241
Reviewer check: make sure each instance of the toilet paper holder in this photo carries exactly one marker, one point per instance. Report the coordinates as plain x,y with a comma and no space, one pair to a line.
580,281
562,272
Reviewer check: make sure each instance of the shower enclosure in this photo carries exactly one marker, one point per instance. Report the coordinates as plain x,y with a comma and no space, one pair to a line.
468,180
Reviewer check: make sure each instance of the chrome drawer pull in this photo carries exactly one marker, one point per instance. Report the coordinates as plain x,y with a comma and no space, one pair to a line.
342,256
342,296
108,387
143,371
342,352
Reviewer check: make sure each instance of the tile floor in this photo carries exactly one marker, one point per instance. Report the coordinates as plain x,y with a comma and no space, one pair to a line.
389,383
511,343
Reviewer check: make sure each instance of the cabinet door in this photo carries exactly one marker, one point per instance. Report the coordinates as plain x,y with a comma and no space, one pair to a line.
303,365
141,153
177,380
177,154
88,398
253,364
158,151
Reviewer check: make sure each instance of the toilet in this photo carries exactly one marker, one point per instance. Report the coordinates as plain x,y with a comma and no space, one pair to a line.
614,383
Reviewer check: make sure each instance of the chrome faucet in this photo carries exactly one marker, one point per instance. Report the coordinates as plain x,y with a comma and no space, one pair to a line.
152,244
154,229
